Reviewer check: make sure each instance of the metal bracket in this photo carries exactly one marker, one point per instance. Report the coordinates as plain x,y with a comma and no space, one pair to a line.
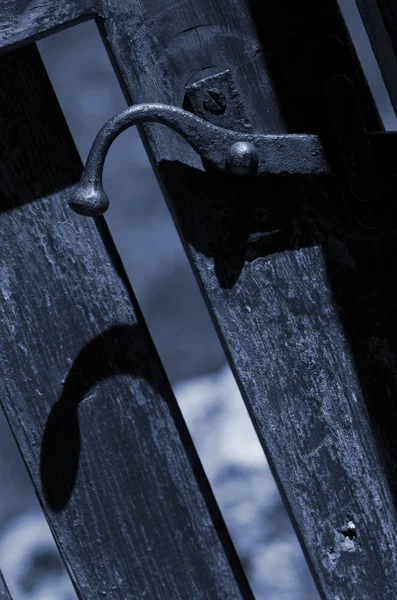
216,99
235,152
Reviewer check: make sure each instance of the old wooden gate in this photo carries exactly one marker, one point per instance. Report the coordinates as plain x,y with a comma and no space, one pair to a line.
293,240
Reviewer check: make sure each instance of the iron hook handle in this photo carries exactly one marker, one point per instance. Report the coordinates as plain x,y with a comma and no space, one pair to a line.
222,149
207,140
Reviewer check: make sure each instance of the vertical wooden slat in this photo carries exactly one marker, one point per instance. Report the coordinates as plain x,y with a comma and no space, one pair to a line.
380,21
302,301
82,386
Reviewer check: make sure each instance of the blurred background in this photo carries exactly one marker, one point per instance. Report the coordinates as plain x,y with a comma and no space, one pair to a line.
155,262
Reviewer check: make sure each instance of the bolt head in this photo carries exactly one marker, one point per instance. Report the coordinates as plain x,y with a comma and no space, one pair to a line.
242,159
214,101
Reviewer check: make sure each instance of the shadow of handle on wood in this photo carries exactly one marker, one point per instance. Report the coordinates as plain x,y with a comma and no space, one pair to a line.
109,354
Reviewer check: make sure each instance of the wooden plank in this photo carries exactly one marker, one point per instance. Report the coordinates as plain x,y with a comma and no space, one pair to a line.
82,386
21,22
302,302
380,21
5,593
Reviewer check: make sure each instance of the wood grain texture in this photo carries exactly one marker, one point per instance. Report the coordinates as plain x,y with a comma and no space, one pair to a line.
27,20
380,21
82,386
303,297
5,593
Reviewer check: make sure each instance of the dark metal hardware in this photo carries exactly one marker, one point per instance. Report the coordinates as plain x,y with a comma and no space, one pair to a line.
221,149
221,87
214,101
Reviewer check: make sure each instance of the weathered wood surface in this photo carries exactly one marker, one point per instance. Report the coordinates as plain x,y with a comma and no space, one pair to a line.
303,299
305,305
380,21
81,383
5,593
24,20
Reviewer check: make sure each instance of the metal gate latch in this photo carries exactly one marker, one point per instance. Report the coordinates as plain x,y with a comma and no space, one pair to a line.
221,149
245,154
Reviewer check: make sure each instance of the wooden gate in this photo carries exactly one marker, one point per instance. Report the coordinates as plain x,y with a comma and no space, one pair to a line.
296,270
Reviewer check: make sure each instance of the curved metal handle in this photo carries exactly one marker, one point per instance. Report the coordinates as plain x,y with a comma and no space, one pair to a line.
239,153
218,147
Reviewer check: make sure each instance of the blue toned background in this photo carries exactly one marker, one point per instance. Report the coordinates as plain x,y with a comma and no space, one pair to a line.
167,292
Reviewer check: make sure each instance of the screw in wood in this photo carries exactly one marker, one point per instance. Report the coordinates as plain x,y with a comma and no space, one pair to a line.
214,101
